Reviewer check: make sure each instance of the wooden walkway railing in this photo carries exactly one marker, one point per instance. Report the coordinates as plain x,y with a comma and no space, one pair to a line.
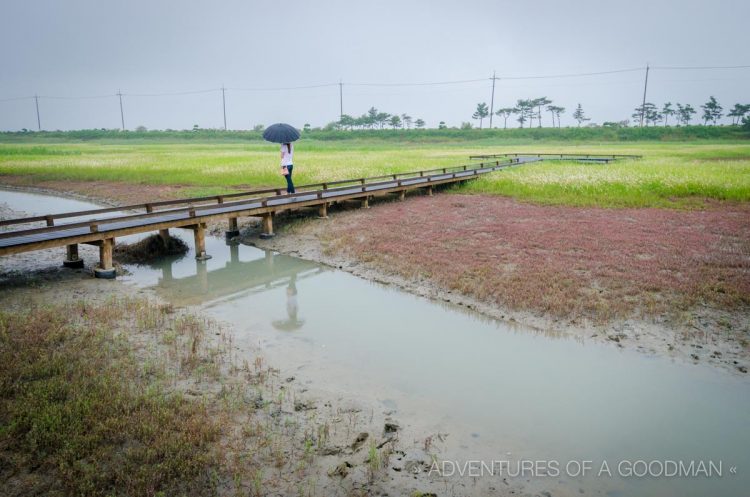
571,157
194,213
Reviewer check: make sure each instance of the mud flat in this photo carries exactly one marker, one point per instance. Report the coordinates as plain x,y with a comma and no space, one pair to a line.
430,380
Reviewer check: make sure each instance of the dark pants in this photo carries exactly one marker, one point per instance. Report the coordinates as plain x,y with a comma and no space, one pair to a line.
289,184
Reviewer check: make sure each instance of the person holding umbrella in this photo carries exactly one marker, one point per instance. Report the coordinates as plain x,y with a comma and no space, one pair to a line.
287,154
284,134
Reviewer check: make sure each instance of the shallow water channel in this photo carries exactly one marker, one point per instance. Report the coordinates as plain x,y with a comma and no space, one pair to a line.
499,391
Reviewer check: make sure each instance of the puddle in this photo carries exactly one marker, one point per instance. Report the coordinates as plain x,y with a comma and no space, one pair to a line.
499,392
41,204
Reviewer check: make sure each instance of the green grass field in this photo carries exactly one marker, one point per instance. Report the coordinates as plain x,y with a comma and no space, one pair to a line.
671,173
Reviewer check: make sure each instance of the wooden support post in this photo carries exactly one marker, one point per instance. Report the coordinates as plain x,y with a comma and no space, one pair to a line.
233,229
402,195
429,190
366,203
72,260
199,233
164,235
323,210
105,269
267,226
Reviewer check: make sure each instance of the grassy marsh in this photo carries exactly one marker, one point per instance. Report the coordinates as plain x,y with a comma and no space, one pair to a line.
671,174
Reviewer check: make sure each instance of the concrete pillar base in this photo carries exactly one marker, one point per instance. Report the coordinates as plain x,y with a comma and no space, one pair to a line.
202,256
266,236
231,234
105,274
73,264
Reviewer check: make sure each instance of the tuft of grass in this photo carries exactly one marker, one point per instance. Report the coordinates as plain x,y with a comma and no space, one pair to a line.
149,248
79,415
373,460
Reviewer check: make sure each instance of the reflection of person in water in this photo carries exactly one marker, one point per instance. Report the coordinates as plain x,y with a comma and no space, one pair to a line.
291,300
292,309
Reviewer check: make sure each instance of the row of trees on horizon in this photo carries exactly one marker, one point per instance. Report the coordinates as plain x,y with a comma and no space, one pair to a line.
530,111
376,119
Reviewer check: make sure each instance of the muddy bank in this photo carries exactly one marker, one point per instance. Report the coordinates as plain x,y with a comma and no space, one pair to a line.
654,305
103,192
281,433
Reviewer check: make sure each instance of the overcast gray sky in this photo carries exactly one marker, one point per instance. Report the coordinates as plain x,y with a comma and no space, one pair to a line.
95,47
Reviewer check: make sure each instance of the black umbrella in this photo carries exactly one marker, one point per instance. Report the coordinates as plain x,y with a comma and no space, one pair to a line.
280,133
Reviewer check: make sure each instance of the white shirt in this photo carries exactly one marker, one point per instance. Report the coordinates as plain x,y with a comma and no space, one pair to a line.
286,155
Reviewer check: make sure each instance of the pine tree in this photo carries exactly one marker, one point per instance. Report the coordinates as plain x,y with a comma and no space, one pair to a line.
579,116
712,111
481,113
667,111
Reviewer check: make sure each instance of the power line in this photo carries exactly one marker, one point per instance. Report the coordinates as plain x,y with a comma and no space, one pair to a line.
11,99
340,84
378,84
285,88
699,67
85,97
169,94
433,83
575,75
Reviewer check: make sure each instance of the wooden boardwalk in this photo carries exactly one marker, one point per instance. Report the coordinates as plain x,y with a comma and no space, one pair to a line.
194,213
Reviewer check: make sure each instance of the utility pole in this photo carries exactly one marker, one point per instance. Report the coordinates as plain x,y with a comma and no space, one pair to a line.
38,121
341,99
643,105
122,115
224,106
492,100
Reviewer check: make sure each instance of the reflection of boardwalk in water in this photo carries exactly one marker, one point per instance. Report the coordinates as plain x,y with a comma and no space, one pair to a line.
235,280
